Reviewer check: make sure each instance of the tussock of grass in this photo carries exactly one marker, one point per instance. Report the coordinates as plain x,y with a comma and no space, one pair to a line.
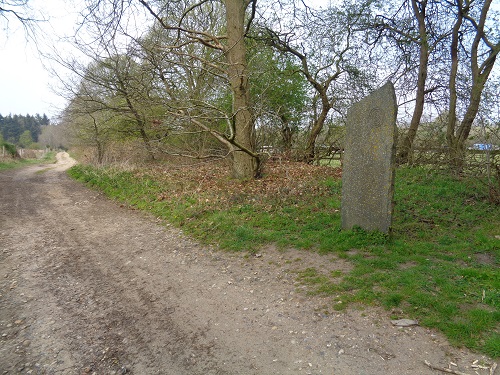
9,163
440,265
13,163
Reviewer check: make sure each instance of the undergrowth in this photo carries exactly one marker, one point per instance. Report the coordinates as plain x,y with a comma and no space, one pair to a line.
439,265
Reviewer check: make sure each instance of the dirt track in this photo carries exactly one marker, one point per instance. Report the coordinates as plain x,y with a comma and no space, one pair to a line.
89,287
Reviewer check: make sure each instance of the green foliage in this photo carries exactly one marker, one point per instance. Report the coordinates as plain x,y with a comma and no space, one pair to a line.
25,139
21,162
10,148
11,164
13,126
440,264
279,92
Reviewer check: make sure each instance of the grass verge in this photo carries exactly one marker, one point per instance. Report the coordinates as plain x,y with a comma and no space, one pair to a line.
18,163
440,264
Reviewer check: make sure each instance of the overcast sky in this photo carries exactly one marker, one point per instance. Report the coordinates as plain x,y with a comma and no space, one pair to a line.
24,81
25,84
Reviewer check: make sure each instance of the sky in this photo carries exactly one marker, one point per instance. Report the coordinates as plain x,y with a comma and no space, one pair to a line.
25,83
26,86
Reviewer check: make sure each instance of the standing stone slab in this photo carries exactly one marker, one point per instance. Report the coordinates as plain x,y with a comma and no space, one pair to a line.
368,167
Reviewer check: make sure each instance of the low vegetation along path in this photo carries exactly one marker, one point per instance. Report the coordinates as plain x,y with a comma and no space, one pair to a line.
89,287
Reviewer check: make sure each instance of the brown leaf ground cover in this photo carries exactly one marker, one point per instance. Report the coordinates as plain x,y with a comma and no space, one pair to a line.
281,181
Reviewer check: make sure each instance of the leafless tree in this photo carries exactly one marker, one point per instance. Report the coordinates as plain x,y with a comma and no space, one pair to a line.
326,43
109,86
416,30
20,12
476,41
185,20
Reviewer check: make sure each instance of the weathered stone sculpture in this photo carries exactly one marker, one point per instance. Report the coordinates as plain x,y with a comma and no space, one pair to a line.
368,166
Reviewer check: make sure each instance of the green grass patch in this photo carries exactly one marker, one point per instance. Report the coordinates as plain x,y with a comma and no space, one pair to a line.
440,265
18,163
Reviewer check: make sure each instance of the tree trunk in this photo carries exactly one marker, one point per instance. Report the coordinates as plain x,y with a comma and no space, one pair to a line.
139,121
147,142
99,145
452,85
480,74
310,151
244,164
473,108
407,143
286,134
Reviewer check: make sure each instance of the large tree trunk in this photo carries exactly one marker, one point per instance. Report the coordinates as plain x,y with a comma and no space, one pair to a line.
244,164
407,143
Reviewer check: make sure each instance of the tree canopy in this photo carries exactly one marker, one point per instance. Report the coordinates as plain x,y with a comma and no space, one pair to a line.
12,127
236,79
